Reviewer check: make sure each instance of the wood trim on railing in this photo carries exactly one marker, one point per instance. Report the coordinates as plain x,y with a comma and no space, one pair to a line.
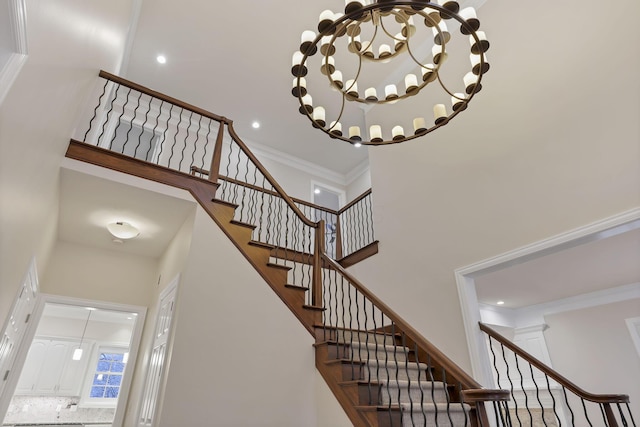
450,367
354,201
596,398
162,97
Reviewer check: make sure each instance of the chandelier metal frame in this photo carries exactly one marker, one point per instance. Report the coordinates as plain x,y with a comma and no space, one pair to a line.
333,27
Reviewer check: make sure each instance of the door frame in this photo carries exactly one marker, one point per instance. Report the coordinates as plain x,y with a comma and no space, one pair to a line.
465,278
134,345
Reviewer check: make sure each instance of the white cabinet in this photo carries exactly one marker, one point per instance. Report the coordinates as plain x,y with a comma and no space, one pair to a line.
50,370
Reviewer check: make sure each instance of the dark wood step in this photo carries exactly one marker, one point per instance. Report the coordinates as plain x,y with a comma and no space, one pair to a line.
223,202
279,266
243,224
261,245
296,287
314,307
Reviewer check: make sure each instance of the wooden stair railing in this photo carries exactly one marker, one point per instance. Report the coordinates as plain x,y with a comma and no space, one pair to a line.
578,407
383,372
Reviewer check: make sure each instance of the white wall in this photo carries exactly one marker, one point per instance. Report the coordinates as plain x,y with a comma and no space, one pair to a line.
170,265
593,348
36,119
99,274
240,356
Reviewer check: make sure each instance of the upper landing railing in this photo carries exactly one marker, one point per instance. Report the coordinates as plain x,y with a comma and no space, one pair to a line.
147,125
541,396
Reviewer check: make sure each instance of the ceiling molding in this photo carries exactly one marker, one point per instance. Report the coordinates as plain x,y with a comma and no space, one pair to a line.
357,171
298,163
136,8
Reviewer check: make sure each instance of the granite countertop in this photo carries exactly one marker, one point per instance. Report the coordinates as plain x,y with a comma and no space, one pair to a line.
61,423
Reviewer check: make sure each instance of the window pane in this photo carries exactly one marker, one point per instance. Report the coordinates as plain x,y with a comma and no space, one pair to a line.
104,366
114,379
117,367
112,392
117,357
99,379
97,392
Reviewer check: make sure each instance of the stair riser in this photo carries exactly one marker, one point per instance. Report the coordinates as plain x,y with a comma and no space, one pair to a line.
382,373
370,353
416,396
363,337
418,418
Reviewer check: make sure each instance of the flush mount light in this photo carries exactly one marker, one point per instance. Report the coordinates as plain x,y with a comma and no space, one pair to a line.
316,191
122,230
255,125
161,59
500,303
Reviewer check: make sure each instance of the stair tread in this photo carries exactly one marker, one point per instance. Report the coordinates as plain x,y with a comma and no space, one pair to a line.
364,331
280,266
301,288
243,224
261,244
313,307
224,202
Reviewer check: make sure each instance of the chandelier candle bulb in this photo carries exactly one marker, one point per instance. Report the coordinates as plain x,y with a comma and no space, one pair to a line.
428,73
299,91
336,128
457,101
352,88
297,69
400,42
441,34
390,92
408,29
319,116
370,94
397,133
324,22
439,54
368,50
336,79
307,107
469,15
326,48
419,125
439,113
375,133
354,133
328,66
306,42
432,18
354,44
411,83
471,83
475,64
384,51
481,46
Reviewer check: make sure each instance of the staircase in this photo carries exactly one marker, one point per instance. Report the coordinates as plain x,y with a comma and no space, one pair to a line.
381,370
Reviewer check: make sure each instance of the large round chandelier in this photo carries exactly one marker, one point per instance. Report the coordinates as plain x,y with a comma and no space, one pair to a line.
349,49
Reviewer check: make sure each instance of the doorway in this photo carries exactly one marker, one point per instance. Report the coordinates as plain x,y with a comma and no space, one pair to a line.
77,363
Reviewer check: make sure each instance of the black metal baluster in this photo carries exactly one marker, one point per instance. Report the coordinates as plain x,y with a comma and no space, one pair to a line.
195,144
430,369
535,384
135,113
175,138
406,368
584,407
604,416
254,196
164,133
386,369
359,235
261,220
446,394
115,131
146,119
515,403
553,401
153,134
104,124
225,186
464,412
186,138
633,422
235,176
369,225
420,387
350,325
204,151
526,399
566,401
95,111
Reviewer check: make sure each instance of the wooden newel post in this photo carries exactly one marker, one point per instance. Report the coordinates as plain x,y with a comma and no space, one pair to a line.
316,296
338,238
214,171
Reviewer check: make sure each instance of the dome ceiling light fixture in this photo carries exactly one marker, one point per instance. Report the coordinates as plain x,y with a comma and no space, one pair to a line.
122,230
380,32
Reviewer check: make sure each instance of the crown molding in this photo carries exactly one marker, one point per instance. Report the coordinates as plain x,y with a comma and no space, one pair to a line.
297,163
361,168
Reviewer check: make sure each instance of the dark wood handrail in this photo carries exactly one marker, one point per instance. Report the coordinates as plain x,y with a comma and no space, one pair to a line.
465,379
354,201
271,179
163,97
596,398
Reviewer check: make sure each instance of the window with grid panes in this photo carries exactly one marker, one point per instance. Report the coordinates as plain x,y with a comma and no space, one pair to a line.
107,377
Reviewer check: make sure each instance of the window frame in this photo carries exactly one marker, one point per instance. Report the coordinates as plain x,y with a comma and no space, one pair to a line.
86,400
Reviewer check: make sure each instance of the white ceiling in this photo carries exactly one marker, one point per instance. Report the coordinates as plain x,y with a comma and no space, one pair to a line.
66,311
590,267
88,203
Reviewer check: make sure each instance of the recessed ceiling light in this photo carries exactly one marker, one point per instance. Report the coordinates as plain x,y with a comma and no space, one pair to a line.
316,191
500,303
255,125
161,59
